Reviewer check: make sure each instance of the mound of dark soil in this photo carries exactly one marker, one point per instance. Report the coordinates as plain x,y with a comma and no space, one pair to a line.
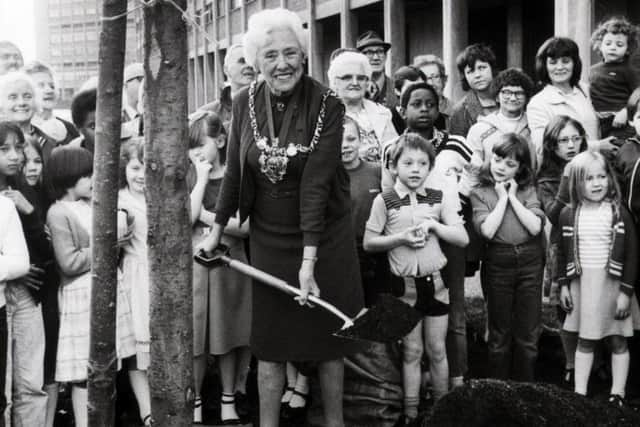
499,403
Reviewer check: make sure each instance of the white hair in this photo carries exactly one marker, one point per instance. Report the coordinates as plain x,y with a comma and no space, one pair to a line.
13,77
229,50
264,22
348,58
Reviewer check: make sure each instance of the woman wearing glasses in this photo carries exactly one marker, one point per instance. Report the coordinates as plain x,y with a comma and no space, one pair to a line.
512,89
558,68
349,73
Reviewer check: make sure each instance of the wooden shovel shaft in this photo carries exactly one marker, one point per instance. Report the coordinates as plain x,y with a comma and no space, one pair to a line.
283,286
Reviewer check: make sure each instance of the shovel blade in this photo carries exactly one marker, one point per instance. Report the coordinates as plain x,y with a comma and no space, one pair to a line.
388,320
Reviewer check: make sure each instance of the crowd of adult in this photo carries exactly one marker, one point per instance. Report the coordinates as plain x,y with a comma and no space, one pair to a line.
376,185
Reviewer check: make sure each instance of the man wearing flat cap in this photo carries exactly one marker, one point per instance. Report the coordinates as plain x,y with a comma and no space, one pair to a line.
381,86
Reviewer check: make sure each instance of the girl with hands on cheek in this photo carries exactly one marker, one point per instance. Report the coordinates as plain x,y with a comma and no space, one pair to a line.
408,220
507,213
597,267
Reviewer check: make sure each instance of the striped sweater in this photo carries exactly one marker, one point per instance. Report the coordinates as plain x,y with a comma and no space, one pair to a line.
622,263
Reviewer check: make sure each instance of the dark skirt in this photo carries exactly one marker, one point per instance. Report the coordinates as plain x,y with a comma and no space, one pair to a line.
281,329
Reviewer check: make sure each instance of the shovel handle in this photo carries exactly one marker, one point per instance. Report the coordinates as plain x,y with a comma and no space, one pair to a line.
283,286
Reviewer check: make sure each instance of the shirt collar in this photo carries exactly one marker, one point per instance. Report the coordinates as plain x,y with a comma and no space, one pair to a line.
403,191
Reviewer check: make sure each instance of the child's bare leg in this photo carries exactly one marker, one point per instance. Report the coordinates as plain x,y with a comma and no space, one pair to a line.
411,357
435,334
619,364
583,363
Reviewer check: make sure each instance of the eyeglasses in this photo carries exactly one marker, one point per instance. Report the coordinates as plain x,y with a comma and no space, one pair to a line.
433,78
575,139
373,52
510,94
360,78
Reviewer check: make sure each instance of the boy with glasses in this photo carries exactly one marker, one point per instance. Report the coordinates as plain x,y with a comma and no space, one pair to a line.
512,89
380,88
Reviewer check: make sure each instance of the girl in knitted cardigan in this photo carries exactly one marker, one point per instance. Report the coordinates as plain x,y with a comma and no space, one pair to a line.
597,262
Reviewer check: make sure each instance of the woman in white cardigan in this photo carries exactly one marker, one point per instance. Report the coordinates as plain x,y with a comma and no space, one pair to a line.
349,73
558,67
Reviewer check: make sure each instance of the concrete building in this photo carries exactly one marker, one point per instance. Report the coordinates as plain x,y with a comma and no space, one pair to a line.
68,34
515,29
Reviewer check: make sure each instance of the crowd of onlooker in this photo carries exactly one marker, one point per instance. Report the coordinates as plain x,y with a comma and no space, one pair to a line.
533,182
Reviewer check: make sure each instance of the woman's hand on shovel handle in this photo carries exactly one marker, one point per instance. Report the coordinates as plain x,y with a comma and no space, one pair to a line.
212,240
308,284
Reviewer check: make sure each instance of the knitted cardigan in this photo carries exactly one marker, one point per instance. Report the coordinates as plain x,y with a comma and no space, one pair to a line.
623,254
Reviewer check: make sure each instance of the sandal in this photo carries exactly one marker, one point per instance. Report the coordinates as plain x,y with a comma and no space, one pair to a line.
148,421
197,411
298,411
229,399
290,390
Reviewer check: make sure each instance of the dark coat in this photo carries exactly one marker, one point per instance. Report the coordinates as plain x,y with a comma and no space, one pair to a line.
324,184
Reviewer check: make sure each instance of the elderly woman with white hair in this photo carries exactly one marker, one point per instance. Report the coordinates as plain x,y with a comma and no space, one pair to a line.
284,173
349,73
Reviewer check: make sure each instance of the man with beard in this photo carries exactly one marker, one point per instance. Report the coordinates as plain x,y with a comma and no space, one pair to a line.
10,57
239,75
380,88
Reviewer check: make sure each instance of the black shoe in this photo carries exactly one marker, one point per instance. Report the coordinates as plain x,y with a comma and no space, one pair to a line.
568,379
617,400
243,406
405,421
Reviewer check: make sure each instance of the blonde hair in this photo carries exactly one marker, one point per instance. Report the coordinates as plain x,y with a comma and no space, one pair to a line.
577,175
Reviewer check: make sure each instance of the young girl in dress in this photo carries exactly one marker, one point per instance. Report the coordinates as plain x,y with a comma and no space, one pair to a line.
135,271
597,259
563,139
507,214
409,220
69,220
224,293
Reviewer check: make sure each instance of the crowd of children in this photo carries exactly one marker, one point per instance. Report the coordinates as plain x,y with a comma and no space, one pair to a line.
544,205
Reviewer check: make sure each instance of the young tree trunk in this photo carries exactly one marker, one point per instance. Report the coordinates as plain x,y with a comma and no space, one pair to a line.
102,354
169,241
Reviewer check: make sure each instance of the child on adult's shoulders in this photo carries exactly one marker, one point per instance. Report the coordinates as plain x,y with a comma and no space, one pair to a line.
612,80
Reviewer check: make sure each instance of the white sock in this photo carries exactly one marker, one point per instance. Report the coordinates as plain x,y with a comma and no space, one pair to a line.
619,372
583,362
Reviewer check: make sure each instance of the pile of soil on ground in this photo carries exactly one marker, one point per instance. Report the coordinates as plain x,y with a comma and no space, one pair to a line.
498,403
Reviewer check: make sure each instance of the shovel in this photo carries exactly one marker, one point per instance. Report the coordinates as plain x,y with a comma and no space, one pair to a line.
388,320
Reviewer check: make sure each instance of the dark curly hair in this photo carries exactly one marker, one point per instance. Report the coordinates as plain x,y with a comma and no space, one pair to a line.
406,95
470,55
616,25
554,48
512,77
